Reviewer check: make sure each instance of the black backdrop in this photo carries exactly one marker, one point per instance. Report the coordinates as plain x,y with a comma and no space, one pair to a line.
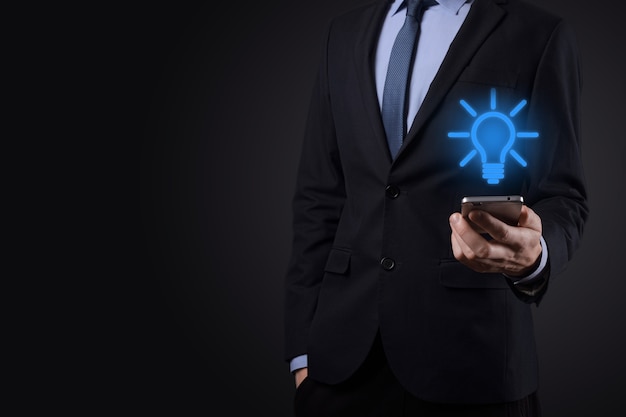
212,100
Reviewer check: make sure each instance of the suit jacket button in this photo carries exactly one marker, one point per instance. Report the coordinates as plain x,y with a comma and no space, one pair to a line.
387,263
392,191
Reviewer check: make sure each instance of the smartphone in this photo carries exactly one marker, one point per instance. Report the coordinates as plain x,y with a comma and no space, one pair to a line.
503,207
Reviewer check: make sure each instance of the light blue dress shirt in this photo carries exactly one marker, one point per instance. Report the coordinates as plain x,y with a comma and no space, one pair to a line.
439,25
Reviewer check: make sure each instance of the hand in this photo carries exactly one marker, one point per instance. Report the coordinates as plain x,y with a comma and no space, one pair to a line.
513,250
300,374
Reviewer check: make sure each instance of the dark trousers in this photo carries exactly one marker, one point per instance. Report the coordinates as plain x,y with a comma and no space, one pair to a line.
373,391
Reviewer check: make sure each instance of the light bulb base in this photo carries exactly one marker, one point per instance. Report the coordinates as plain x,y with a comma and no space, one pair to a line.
493,173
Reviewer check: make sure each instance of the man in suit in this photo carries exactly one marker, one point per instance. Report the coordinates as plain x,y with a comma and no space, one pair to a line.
395,304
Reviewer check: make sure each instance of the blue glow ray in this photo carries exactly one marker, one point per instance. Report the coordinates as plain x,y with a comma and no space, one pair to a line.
527,134
469,108
517,108
458,134
468,157
493,99
518,158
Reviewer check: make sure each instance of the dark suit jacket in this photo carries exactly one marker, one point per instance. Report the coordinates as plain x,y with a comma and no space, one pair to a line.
450,334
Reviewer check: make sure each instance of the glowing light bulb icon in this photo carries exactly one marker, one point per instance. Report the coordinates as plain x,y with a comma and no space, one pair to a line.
493,135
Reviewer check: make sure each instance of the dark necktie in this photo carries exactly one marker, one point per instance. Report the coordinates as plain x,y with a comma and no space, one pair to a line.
395,92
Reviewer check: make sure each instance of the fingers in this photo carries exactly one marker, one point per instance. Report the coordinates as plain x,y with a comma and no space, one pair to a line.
471,248
512,249
497,229
501,231
470,244
465,254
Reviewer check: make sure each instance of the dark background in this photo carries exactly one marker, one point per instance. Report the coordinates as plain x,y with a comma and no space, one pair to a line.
211,102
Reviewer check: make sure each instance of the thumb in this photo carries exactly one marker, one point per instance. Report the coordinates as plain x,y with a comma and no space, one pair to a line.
528,218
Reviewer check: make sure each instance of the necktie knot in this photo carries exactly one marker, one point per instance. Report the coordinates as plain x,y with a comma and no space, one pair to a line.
416,8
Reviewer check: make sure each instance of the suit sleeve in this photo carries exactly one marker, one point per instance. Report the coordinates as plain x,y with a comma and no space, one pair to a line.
317,204
557,190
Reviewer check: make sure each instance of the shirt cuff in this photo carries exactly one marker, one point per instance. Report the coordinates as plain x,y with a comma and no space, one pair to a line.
537,272
298,362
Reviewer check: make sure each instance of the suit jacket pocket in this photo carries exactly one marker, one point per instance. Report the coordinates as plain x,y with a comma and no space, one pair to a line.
338,261
454,274
489,76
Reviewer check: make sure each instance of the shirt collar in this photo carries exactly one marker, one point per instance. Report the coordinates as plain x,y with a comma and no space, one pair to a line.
452,6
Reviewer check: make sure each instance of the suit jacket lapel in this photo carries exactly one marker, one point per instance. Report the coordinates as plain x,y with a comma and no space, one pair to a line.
364,58
482,18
